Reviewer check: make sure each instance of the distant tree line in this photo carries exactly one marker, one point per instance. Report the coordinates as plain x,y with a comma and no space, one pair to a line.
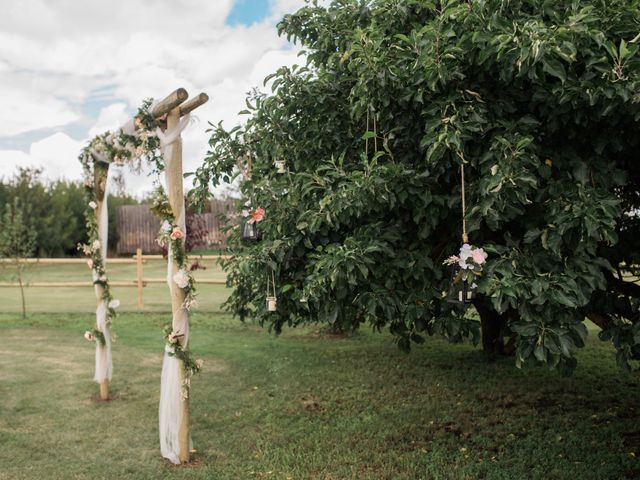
54,210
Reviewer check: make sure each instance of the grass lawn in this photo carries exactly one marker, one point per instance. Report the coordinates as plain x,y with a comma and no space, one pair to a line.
307,406
156,296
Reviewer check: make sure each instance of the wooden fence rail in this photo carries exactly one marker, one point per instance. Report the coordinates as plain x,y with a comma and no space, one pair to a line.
139,282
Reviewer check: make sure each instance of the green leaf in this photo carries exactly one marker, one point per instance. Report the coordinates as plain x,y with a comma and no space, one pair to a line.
554,67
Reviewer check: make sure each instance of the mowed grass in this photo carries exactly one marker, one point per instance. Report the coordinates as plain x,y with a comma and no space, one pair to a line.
307,406
73,299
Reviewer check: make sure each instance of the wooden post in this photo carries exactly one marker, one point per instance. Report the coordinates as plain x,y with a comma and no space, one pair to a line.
104,390
173,173
139,278
101,174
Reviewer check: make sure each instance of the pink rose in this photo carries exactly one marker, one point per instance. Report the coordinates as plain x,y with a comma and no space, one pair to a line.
479,256
177,233
258,215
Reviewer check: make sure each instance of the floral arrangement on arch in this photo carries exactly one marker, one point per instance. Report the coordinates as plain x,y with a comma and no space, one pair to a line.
119,148
171,234
190,365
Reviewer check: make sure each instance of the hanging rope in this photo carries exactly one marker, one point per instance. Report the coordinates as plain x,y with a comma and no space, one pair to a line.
366,141
273,283
375,136
465,237
375,131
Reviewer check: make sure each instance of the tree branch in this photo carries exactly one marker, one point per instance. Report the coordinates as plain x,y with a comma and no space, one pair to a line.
626,288
603,321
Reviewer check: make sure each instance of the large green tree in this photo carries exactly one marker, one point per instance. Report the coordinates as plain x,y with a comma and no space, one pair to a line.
539,99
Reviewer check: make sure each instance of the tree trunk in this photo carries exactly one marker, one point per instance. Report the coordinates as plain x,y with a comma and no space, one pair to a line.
492,324
24,305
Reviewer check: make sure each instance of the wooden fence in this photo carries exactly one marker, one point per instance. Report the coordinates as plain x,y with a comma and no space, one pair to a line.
139,282
138,227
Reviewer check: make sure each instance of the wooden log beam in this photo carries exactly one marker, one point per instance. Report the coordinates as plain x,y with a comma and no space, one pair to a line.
170,102
193,103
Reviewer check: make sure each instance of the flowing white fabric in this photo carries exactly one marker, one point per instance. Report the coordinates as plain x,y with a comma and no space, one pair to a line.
104,364
171,385
171,407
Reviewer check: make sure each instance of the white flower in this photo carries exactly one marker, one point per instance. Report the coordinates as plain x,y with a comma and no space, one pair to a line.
95,245
115,303
181,278
465,252
463,264
93,205
494,169
199,363
166,227
88,336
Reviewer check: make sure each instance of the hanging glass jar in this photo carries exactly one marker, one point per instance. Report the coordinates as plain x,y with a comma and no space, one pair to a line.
272,299
249,232
249,227
459,289
281,166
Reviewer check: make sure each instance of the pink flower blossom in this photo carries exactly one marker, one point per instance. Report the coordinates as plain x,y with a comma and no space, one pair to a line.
479,256
257,216
177,233
451,260
88,336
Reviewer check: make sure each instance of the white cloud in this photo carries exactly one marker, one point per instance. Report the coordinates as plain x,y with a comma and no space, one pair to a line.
56,154
110,118
56,54
31,110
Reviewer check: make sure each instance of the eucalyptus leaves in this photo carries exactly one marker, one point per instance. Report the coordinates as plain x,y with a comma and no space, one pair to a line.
171,234
190,365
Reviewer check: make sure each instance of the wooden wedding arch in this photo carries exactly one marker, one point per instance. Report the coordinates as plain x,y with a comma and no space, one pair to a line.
153,134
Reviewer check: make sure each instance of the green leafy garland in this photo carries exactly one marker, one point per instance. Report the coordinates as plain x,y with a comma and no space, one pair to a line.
95,335
190,365
172,236
115,148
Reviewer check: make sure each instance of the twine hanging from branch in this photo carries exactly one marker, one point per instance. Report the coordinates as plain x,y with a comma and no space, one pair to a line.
375,136
465,237
273,284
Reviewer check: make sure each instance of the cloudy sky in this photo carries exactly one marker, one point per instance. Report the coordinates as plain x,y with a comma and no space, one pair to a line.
72,69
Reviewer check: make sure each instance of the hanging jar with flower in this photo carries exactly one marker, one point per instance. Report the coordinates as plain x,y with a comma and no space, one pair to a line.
249,227
466,267
281,166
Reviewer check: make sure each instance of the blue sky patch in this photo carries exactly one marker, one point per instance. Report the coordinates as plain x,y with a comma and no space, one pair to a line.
247,12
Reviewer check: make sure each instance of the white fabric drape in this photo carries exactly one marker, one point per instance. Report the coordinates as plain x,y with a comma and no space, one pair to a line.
104,364
171,388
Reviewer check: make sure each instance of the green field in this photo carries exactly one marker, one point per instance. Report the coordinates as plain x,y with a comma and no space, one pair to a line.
80,300
307,406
